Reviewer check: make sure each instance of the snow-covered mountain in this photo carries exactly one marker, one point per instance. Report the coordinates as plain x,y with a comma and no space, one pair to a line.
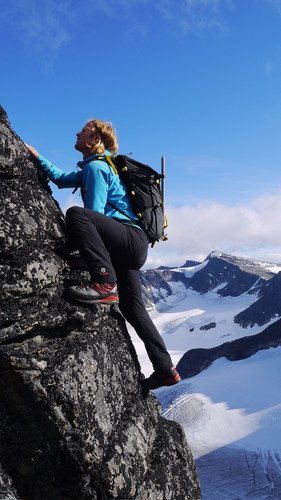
230,276
220,320
216,302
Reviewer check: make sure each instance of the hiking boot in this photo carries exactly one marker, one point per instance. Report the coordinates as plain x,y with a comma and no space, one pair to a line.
160,379
93,293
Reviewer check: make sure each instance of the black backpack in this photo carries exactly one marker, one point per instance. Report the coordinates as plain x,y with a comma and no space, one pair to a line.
146,192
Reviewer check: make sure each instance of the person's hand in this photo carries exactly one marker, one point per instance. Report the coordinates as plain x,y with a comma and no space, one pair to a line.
32,150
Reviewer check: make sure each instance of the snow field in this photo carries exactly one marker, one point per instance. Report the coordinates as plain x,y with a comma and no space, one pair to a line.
180,316
231,412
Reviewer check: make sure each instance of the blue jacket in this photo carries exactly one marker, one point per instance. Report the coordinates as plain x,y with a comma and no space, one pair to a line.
98,184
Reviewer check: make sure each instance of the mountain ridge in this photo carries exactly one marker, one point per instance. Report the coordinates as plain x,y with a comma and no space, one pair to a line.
254,285
231,275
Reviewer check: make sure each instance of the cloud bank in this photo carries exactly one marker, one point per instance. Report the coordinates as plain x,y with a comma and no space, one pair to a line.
252,231
194,231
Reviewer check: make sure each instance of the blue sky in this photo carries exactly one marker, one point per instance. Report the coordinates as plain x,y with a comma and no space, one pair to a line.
196,80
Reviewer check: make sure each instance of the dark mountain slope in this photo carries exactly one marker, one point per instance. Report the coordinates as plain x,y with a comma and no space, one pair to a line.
267,307
196,360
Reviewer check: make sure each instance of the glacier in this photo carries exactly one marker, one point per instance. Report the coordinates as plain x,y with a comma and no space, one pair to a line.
231,411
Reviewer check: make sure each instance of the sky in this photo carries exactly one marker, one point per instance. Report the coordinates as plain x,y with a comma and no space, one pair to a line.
196,80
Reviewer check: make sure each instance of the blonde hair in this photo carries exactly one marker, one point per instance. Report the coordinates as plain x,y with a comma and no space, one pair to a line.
104,137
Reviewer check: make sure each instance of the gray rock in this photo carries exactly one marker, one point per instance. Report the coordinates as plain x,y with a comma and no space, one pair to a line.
7,492
75,423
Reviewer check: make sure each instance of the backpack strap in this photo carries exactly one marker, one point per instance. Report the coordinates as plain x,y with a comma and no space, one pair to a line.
122,212
109,160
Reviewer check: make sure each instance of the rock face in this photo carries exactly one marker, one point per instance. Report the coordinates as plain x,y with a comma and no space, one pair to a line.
75,423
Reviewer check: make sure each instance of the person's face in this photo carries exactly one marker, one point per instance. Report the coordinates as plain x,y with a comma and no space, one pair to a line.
83,138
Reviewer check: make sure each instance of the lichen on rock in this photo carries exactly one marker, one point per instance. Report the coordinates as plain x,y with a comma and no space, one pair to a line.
75,423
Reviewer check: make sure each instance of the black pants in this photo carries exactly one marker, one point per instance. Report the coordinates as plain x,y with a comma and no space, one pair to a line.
115,252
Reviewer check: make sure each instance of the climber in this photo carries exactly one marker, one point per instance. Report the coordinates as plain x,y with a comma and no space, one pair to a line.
111,245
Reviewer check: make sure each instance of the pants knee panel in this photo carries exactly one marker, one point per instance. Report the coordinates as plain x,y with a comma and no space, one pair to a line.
72,213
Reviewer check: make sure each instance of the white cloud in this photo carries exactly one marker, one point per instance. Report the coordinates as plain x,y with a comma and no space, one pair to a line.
194,15
190,15
42,27
45,27
253,231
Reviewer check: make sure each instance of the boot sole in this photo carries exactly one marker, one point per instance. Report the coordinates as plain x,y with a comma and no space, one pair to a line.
112,299
158,385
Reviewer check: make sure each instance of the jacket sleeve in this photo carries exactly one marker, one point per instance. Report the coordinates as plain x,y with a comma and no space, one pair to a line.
57,176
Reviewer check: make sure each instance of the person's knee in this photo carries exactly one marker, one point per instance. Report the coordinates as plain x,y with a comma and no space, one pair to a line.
72,213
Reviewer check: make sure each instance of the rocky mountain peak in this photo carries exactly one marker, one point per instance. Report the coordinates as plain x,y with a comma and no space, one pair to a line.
75,423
